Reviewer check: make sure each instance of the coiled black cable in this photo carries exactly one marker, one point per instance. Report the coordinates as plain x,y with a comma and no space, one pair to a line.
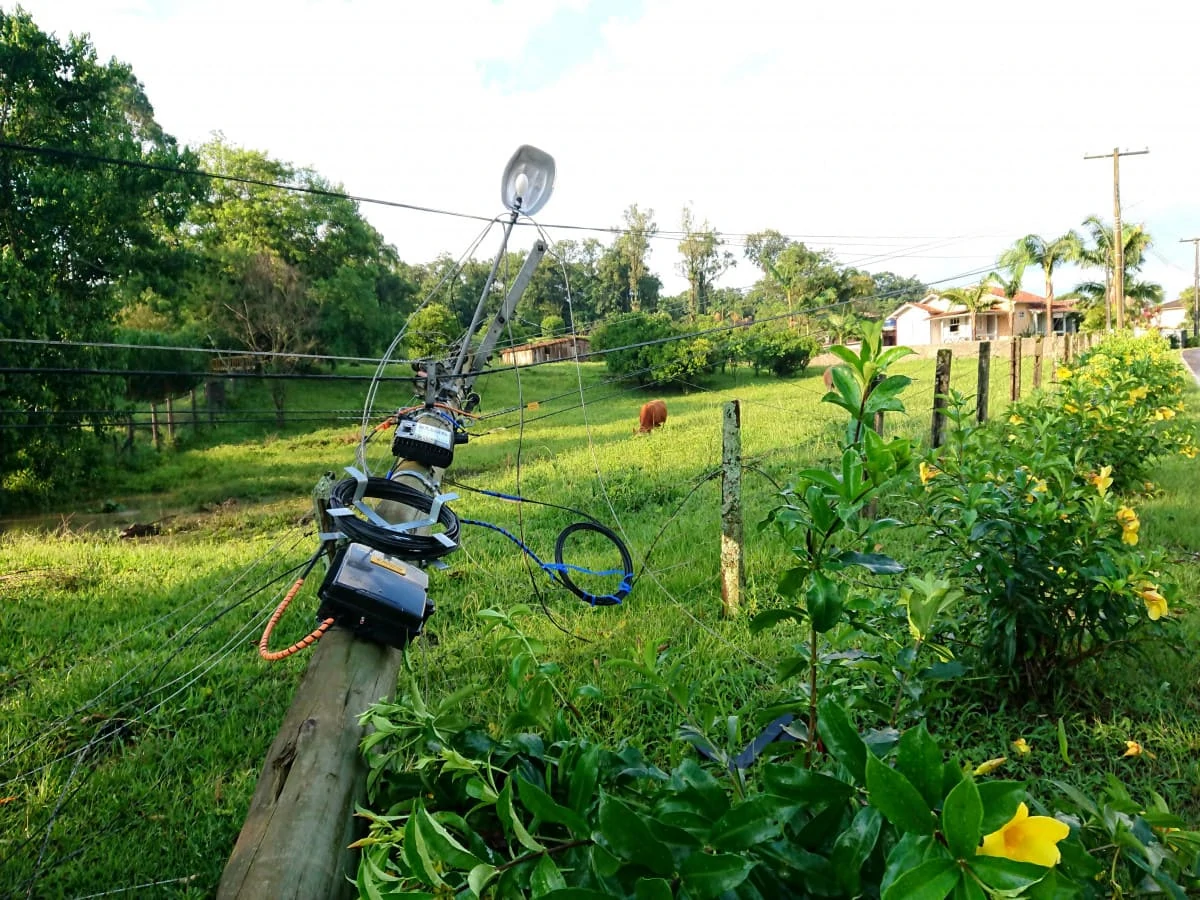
402,544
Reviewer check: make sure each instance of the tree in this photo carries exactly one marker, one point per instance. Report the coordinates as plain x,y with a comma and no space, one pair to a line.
431,331
892,290
1097,252
703,261
72,231
632,246
1048,255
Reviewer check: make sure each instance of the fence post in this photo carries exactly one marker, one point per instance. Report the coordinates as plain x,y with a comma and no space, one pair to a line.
984,385
733,573
1067,341
154,431
195,420
1037,361
1014,371
941,387
171,418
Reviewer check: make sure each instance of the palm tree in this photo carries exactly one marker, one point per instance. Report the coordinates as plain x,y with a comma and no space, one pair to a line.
1010,286
975,298
1034,250
1099,254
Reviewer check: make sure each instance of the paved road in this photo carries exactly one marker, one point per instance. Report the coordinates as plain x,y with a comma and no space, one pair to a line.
1191,356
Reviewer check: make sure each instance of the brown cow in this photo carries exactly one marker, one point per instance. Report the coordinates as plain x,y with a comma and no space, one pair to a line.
828,378
653,415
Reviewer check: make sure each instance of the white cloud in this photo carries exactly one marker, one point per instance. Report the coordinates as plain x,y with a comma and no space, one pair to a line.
865,118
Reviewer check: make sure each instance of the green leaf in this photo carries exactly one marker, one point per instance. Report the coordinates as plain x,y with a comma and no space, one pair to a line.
1005,874
418,857
547,809
441,842
750,822
772,617
1000,801
931,880
894,796
545,877
626,835
968,889
824,601
841,738
576,893
508,818
919,759
708,876
908,853
652,889
961,819
823,477
711,796
876,563
479,876
804,786
853,846
1062,742
583,778
889,356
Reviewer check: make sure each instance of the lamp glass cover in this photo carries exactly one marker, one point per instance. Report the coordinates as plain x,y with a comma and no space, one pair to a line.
528,194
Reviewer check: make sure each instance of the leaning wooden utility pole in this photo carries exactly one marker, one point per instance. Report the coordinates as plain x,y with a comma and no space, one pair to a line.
1118,279
1195,242
733,570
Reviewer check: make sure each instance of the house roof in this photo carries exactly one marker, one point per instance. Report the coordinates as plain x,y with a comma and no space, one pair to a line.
549,342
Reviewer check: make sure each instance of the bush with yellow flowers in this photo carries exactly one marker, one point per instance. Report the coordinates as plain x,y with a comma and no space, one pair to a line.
1029,523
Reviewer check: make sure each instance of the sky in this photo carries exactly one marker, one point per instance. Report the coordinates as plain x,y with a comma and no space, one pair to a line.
921,138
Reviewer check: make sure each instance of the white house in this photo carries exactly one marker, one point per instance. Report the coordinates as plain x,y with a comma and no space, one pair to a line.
1170,316
938,320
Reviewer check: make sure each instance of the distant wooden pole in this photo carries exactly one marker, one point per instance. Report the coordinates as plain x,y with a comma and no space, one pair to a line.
983,387
733,572
941,387
170,419
195,418
154,431
1067,341
1014,371
1037,361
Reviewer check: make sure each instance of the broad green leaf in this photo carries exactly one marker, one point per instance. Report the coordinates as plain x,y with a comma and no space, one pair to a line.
628,837
822,477
853,846
1005,874
824,601
919,759
750,822
909,852
804,786
545,877
479,876
876,563
841,738
894,796
931,880
1078,797
771,617
708,876
576,893
710,793
968,889
890,355
652,889
548,809
417,855
510,821
441,842
961,819
849,357
1000,801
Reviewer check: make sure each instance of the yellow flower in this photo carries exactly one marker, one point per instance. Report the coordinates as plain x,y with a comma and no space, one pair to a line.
1156,603
1070,408
1026,838
1189,451
1164,412
1102,481
1129,525
927,472
1060,571
1063,373
1015,419
1138,393
1133,748
987,768
1021,746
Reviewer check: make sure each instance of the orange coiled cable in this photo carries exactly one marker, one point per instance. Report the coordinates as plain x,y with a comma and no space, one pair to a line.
304,642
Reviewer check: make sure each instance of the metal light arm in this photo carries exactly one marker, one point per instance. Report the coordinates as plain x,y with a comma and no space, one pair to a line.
461,383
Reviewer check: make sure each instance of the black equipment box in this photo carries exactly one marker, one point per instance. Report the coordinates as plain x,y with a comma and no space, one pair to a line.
379,597
423,443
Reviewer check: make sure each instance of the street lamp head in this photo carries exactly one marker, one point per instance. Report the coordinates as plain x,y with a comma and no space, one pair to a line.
528,180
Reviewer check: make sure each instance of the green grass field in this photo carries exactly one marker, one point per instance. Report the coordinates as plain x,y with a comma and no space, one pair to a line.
135,711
